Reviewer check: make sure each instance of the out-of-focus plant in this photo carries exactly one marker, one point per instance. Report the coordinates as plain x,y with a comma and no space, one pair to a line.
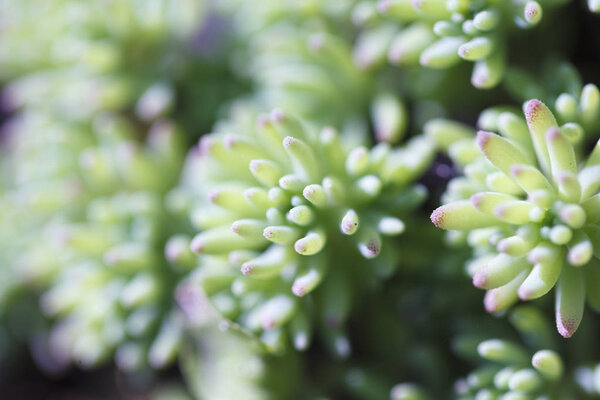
148,59
103,258
512,369
96,55
88,157
309,74
251,18
560,87
282,259
439,34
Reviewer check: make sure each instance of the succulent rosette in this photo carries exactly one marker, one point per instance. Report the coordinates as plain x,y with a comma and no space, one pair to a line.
99,248
85,60
155,59
532,217
96,35
511,372
250,18
588,379
218,361
526,366
559,85
224,365
440,33
295,224
310,73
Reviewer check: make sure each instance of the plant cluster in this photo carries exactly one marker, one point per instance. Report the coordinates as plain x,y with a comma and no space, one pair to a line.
237,194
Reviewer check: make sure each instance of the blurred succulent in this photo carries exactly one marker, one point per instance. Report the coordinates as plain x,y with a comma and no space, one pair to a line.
439,33
588,379
533,213
88,156
100,248
297,212
251,18
97,36
223,364
40,181
95,55
510,370
559,85
509,374
310,74
407,391
83,58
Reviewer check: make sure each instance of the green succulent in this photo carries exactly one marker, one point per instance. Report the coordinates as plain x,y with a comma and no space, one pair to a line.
99,62
252,18
96,36
512,373
407,391
309,73
226,364
561,87
529,368
440,33
100,252
587,377
532,216
151,60
285,212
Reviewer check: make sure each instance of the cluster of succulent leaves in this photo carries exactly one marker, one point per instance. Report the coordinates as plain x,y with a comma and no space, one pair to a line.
288,254
529,204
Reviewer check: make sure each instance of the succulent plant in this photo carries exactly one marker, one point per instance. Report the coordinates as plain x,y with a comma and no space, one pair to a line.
309,73
532,214
512,373
98,63
296,224
438,33
284,258
559,86
529,368
587,377
112,286
220,361
226,364
153,60
88,205
97,36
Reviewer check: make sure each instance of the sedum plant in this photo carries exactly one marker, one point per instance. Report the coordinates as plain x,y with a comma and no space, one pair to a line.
219,361
110,291
112,287
512,373
439,34
295,224
98,63
529,204
283,259
226,364
561,88
529,368
308,73
88,206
